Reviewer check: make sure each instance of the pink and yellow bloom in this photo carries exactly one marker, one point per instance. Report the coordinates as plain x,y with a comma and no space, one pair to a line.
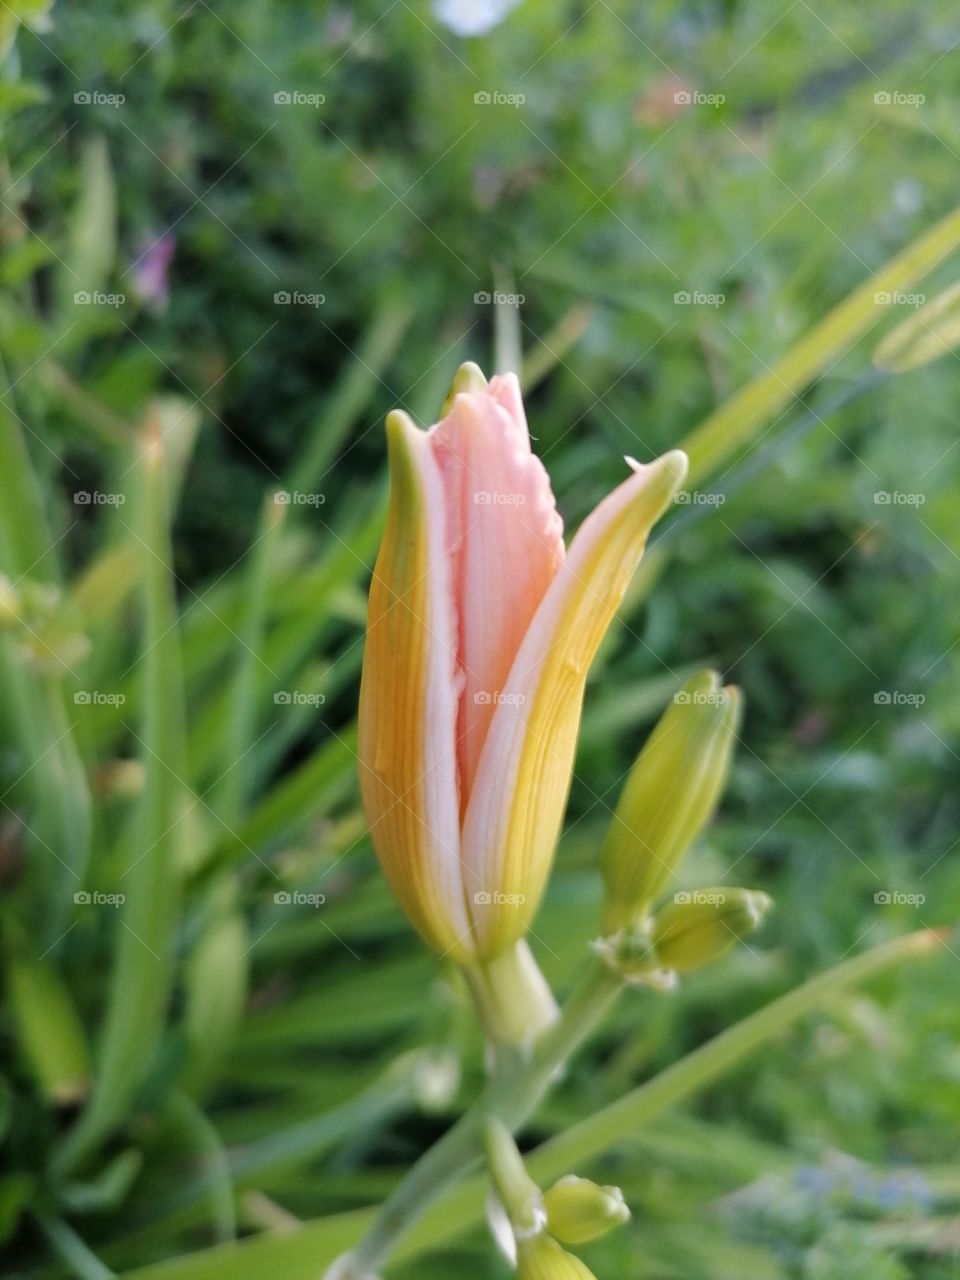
481,630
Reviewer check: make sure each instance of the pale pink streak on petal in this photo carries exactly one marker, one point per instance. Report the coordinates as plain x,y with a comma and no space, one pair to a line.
532,735
506,546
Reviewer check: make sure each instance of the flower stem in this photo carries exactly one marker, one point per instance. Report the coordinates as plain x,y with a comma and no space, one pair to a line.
513,1092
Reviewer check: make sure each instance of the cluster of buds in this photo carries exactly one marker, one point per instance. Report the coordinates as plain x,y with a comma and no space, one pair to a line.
532,1226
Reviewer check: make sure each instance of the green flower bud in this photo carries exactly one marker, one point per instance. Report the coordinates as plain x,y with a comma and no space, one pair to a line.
669,796
699,927
541,1258
578,1210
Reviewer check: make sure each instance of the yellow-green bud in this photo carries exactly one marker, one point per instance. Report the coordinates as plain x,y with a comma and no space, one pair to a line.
700,926
669,796
578,1210
541,1258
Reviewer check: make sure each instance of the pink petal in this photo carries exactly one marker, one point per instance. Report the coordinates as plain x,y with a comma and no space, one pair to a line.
505,544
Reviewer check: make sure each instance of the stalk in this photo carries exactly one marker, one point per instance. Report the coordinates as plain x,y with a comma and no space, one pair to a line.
514,1092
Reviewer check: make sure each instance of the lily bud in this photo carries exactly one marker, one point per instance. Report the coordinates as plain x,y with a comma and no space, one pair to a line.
669,796
579,1210
481,631
541,1258
700,927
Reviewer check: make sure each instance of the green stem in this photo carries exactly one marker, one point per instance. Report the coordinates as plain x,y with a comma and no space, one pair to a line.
512,1095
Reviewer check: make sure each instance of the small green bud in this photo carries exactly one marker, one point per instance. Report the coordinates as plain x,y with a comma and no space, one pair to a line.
469,377
578,1210
701,926
669,796
539,1257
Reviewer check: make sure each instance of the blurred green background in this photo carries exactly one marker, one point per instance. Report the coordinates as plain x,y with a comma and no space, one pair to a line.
251,230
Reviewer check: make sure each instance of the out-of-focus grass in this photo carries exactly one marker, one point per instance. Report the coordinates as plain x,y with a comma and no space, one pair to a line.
300,1065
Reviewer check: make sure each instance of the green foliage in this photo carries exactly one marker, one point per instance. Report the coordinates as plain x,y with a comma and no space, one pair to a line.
200,897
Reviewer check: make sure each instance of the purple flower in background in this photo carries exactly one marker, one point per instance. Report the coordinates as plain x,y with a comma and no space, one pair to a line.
149,269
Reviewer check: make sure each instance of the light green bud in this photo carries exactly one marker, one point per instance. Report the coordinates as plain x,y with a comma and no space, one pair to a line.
700,926
579,1210
669,796
541,1258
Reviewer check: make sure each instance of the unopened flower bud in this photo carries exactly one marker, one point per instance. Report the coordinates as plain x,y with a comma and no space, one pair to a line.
698,928
669,796
579,1210
541,1258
